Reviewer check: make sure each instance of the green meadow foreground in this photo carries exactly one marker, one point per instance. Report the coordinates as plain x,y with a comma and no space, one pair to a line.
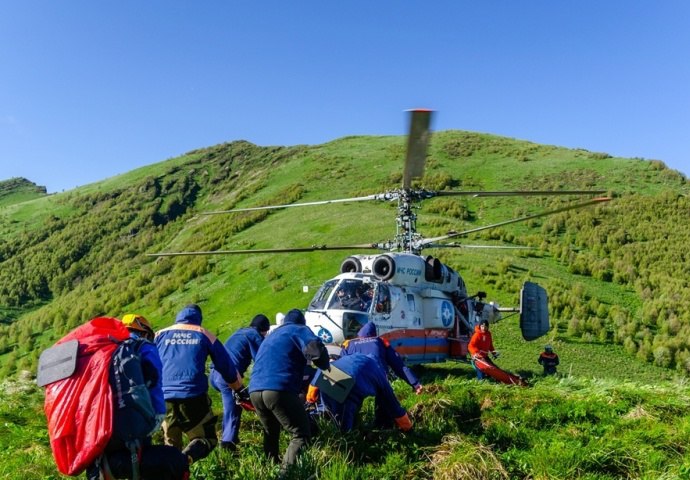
567,427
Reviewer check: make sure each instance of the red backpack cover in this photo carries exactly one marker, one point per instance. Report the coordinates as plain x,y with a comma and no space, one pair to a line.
79,408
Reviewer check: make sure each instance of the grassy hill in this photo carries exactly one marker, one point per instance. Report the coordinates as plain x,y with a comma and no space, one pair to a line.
17,190
617,277
615,273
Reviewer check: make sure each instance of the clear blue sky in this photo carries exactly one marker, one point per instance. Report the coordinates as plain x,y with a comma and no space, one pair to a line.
91,89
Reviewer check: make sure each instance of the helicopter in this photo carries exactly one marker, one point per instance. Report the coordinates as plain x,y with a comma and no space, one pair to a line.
418,303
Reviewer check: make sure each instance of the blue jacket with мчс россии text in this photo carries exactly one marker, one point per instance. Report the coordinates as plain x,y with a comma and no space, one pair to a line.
184,348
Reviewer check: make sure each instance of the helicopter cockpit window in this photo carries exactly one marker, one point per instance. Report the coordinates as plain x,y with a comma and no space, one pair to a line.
350,295
383,299
321,297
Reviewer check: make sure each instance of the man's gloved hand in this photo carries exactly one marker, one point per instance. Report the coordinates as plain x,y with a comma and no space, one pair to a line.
242,396
159,421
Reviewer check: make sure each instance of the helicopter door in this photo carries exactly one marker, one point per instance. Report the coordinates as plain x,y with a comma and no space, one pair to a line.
459,336
380,308
382,305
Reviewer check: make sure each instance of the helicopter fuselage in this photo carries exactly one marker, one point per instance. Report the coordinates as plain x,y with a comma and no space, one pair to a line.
419,305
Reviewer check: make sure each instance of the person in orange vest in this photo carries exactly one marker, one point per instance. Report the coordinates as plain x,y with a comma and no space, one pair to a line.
549,360
481,346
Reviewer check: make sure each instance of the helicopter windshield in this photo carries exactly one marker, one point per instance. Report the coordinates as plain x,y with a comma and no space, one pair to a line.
321,297
352,294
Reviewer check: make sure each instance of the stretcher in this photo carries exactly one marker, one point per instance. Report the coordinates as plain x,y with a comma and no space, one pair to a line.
489,368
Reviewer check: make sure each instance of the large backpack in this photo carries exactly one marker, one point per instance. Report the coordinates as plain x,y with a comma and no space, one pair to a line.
95,397
133,416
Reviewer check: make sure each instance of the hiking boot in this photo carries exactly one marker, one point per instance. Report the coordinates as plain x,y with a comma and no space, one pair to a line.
197,449
228,446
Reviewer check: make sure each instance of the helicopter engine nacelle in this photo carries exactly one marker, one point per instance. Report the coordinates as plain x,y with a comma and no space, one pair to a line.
411,270
351,265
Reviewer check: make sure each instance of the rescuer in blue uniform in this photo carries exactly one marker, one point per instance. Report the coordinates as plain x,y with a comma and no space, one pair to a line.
276,380
162,462
368,343
184,349
242,346
370,381
139,327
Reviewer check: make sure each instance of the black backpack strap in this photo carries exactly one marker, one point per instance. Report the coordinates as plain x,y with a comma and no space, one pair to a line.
105,468
134,451
100,469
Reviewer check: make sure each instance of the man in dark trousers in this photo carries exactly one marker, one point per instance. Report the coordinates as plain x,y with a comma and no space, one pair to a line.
549,360
276,380
184,349
242,346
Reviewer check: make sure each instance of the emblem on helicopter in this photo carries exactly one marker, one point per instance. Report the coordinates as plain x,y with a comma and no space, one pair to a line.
325,336
417,302
446,313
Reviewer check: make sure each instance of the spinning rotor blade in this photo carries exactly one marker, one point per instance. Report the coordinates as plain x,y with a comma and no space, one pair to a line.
461,245
377,196
518,193
417,143
594,201
313,248
422,194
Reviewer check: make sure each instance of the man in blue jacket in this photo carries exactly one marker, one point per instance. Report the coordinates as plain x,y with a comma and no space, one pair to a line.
368,343
275,384
154,461
184,349
242,346
370,381
139,327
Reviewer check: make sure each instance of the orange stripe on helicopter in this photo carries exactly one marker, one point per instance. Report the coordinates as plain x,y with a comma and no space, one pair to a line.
408,342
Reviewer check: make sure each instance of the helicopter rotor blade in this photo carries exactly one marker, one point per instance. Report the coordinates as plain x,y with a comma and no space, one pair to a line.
462,245
593,201
394,195
417,144
517,193
312,248
377,196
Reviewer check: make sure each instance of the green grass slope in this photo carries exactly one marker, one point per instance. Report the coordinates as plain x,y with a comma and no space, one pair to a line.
616,274
559,428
